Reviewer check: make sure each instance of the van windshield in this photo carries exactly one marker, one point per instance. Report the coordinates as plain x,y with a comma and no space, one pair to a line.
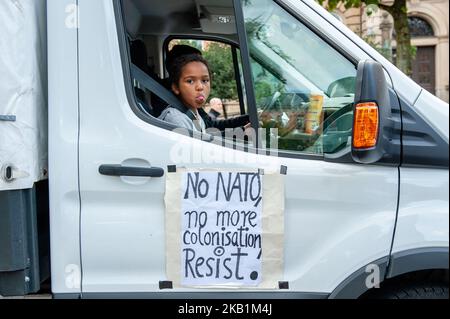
304,88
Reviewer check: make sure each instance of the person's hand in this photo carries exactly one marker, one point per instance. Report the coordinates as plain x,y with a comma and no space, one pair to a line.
249,132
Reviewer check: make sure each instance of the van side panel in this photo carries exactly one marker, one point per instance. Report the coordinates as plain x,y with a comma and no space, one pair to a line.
435,113
63,146
423,210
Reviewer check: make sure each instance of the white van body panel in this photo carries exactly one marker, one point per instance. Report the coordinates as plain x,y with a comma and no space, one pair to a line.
63,150
334,220
404,86
423,218
434,111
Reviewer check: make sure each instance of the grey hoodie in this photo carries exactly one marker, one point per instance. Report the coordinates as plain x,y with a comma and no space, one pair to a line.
178,118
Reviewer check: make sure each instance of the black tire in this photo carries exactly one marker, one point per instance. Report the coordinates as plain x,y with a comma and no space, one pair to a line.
421,285
425,291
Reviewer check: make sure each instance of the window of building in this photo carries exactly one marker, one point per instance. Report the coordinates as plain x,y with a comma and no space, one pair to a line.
419,27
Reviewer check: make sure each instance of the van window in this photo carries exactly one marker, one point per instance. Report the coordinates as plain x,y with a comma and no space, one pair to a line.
304,88
152,27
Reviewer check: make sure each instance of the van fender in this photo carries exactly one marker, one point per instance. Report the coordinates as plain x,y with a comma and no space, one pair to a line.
418,259
399,263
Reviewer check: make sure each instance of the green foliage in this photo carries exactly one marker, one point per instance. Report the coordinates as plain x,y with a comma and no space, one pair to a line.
262,91
220,60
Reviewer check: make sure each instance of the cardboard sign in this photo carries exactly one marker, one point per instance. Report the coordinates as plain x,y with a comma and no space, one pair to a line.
224,228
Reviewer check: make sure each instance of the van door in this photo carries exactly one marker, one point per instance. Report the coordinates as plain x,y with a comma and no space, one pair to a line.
338,216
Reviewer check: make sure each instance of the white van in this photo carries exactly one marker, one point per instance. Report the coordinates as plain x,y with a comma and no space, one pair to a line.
365,197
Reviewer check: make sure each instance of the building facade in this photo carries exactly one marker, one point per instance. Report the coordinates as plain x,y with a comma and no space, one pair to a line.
429,27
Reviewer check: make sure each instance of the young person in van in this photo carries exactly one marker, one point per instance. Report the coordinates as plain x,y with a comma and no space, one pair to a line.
190,79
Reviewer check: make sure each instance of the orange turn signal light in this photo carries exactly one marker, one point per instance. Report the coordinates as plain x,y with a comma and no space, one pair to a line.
366,125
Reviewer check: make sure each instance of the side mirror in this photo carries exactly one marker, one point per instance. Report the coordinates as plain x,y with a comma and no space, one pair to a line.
372,111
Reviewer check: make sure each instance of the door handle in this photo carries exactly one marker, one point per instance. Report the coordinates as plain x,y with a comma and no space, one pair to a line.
119,170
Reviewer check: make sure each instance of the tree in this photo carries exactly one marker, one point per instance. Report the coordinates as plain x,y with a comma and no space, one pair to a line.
399,12
220,60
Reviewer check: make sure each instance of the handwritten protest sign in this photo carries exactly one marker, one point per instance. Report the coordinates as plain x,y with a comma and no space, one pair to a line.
220,230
